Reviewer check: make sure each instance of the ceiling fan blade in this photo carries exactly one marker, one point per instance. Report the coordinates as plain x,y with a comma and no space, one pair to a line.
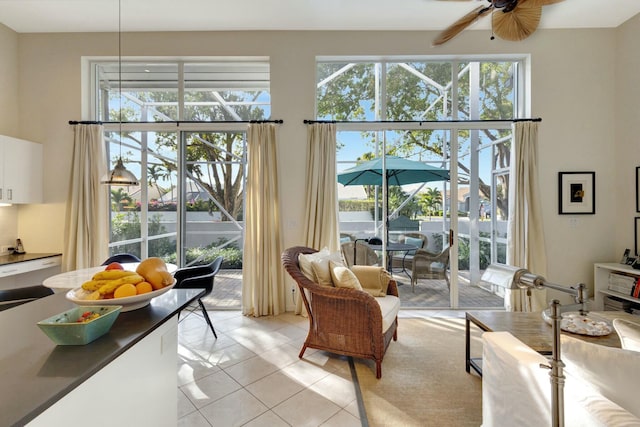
462,23
537,3
518,24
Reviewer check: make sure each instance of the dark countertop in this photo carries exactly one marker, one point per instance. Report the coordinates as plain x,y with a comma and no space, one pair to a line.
12,259
35,373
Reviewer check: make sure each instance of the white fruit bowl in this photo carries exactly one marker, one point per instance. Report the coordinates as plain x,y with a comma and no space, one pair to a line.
78,296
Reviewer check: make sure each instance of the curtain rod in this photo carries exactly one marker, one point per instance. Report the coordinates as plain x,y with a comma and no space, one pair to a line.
177,123
537,119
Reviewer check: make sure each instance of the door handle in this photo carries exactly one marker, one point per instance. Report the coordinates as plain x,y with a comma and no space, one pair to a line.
450,237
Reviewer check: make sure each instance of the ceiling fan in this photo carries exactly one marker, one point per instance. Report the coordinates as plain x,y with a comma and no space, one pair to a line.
511,20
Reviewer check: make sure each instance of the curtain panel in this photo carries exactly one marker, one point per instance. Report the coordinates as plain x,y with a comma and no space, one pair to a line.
86,237
263,289
525,246
321,224
321,205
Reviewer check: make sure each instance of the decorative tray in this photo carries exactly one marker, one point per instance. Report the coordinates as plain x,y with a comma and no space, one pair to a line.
576,323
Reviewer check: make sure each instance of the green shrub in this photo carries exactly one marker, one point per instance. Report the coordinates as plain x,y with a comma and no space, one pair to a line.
231,255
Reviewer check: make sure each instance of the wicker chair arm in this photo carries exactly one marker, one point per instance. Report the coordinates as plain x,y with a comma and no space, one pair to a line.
424,255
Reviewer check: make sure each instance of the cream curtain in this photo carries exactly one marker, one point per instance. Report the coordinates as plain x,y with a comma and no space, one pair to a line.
263,289
321,204
525,247
86,237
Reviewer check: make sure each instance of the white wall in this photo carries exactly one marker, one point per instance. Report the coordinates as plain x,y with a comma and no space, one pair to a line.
627,109
573,90
8,118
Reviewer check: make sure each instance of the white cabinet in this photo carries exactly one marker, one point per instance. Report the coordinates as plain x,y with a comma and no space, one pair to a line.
601,283
20,171
29,273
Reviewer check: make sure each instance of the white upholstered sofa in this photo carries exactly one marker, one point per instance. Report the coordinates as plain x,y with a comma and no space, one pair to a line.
601,386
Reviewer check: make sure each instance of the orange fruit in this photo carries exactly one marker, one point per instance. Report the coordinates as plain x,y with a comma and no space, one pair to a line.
126,290
143,288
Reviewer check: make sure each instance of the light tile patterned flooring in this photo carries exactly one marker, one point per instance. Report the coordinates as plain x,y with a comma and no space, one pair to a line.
252,376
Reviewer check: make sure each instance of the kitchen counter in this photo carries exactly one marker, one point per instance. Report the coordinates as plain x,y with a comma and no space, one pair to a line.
14,258
36,374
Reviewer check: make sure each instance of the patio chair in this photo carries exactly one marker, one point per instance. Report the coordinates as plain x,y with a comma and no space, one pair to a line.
364,254
427,265
200,276
345,320
346,237
405,260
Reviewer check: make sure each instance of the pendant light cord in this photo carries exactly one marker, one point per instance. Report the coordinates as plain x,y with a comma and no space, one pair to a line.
120,74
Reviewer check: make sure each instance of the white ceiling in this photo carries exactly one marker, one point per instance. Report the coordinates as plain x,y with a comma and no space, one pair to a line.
26,16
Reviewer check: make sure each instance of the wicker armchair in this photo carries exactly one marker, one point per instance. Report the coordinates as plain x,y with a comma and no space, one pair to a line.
341,320
404,261
427,265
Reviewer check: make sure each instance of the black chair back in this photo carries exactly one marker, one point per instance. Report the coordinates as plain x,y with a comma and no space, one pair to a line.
14,297
121,258
199,276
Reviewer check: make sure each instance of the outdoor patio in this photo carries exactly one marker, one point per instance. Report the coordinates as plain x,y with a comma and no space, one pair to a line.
226,293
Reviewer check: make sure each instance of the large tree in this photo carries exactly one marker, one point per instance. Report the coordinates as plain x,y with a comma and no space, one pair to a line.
214,160
421,91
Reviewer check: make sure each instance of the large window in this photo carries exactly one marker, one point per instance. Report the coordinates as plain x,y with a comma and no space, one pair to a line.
183,135
449,114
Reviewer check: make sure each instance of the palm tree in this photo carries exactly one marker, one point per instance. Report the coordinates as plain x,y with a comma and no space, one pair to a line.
119,198
155,172
431,200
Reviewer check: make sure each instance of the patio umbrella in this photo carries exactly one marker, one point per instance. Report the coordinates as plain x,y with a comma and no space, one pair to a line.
399,171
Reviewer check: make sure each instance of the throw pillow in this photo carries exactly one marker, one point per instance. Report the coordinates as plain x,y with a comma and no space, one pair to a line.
321,268
629,333
374,280
343,277
321,257
613,372
304,260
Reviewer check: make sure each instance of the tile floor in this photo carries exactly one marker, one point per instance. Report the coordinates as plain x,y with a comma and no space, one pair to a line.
252,376
430,294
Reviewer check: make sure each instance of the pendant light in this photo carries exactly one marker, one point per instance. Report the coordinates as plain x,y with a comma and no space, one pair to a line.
119,175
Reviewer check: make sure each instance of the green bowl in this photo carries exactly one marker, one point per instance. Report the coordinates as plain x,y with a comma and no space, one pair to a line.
64,328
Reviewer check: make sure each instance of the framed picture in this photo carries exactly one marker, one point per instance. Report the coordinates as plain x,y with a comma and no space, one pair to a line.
638,189
576,193
636,232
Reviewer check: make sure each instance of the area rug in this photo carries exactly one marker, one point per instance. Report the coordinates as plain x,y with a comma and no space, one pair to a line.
424,382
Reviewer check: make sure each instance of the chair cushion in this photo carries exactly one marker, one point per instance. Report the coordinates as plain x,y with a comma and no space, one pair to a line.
611,371
415,241
389,306
343,277
629,333
374,280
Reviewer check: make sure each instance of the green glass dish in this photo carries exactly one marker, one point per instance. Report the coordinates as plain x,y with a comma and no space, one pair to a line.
64,328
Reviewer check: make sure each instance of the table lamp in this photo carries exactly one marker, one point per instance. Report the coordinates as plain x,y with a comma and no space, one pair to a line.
523,279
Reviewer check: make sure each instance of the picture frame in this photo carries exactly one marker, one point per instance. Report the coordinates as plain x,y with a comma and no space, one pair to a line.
576,193
636,233
638,189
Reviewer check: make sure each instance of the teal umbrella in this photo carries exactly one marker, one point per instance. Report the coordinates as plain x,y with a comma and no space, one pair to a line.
399,172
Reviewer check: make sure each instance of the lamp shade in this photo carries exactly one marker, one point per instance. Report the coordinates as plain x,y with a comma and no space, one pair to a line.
119,175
